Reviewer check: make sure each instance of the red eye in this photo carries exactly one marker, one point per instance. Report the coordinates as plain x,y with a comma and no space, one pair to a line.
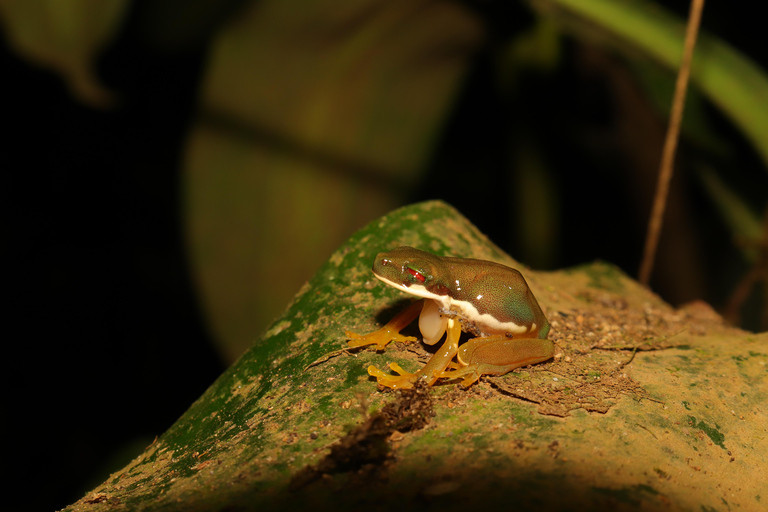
418,275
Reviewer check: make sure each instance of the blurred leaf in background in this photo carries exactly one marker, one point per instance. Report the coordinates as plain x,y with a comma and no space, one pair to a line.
337,113
648,41
66,37
314,119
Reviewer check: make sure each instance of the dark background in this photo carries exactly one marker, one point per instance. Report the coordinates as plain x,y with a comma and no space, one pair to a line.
107,343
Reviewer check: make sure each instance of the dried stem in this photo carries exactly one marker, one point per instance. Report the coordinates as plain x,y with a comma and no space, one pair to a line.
670,144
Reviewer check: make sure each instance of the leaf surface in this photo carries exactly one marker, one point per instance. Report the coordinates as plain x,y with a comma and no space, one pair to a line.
642,407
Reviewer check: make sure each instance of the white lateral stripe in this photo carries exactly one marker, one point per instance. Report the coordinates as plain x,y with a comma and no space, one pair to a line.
467,309
419,291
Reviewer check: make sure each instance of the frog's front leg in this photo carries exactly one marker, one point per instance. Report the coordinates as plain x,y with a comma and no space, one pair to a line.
431,371
497,355
390,331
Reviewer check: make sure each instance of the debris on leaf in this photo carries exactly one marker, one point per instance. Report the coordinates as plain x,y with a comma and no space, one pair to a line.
366,448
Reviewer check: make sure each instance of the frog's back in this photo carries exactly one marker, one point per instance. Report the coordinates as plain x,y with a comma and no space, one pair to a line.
495,297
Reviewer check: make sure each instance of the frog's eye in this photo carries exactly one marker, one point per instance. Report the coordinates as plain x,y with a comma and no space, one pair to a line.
416,275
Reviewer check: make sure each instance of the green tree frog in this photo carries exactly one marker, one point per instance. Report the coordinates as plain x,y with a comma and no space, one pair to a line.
487,299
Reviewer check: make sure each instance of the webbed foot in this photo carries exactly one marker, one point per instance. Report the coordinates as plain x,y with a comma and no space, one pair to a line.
403,379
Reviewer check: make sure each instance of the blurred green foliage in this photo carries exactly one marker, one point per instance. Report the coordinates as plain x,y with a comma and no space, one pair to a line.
315,117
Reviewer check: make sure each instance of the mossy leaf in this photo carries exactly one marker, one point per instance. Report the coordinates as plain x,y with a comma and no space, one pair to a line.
643,407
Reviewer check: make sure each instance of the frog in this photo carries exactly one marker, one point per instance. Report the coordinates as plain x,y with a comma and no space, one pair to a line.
489,300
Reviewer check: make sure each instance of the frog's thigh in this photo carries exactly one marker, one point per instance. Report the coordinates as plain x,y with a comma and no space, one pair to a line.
498,354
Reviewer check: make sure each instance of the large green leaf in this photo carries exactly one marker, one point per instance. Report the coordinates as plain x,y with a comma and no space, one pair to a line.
729,79
316,118
642,408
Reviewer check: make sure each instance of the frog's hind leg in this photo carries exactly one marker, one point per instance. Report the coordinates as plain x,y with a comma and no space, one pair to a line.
497,355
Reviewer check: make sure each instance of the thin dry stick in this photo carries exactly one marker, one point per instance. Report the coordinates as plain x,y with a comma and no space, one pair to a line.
670,144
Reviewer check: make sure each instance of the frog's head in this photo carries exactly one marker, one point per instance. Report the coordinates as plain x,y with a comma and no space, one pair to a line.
406,267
